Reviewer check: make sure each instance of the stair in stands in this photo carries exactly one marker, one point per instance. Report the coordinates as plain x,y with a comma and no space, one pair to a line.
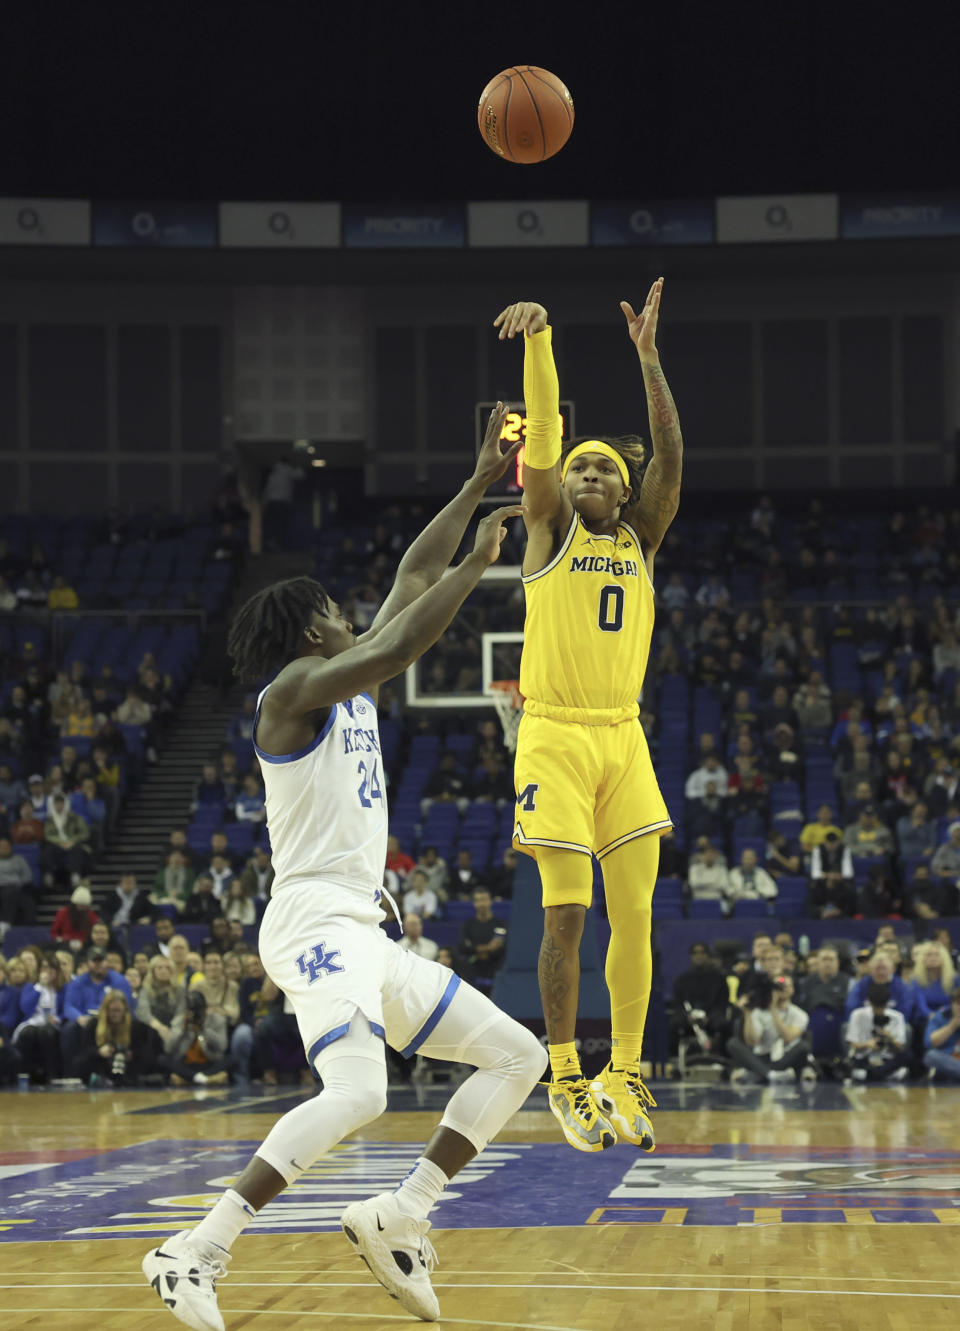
196,734
161,801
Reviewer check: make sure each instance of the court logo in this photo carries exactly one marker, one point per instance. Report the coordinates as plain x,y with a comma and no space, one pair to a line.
318,962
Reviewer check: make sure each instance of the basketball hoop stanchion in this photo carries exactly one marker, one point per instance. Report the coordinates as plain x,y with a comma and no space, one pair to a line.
507,699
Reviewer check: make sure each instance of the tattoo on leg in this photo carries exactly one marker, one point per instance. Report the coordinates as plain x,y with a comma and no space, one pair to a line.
557,984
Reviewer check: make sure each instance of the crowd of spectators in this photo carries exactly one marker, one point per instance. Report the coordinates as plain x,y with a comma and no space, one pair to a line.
879,1013
70,742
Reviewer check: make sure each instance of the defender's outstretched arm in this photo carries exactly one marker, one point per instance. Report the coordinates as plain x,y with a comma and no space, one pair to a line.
427,559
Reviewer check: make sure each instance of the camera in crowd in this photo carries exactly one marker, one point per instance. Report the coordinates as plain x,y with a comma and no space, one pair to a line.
878,996
763,989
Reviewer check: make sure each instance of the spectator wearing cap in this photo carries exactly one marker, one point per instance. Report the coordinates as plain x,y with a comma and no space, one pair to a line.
83,997
832,890
942,1040
72,924
16,879
867,837
37,795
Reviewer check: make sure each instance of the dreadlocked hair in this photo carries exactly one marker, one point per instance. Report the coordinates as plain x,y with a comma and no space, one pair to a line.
630,447
267,631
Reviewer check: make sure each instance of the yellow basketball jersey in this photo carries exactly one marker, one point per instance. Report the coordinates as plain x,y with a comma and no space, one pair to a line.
588,626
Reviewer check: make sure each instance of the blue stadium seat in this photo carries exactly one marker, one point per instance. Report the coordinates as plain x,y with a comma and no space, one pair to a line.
746,909
704,910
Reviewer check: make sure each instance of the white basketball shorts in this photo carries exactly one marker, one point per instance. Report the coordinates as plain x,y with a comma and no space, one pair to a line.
331,966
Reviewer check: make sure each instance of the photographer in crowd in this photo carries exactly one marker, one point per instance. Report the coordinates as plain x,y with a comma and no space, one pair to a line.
773,1047
877,1038
196,1047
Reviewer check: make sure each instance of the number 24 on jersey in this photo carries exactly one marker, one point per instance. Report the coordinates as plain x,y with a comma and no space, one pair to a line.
369,788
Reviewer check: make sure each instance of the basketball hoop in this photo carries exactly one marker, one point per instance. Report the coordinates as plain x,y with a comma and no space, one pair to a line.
507,699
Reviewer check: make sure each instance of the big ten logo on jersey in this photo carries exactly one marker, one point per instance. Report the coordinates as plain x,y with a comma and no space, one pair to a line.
527,798
319,962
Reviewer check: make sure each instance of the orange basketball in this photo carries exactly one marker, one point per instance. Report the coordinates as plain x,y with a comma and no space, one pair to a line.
525,114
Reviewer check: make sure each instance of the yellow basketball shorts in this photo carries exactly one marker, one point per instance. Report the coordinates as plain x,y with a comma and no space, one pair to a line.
584,788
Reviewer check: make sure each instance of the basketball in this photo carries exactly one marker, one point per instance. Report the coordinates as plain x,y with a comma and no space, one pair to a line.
525,114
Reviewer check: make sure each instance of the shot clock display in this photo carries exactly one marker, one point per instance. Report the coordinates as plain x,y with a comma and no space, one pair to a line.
514,429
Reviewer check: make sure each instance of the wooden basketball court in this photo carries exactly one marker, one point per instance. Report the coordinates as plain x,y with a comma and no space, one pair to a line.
762,1208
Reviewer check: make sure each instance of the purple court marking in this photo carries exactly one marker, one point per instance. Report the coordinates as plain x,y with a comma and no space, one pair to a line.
162,1186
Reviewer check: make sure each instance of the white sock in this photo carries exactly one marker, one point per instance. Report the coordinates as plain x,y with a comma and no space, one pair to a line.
225,1222
420,1191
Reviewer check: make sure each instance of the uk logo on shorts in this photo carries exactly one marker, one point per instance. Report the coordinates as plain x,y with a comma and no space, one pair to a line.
318,962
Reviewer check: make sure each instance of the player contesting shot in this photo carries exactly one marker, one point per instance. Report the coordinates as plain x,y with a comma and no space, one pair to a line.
320,941
583,775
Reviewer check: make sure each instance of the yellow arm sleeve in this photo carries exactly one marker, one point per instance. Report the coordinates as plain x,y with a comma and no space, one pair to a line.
541,393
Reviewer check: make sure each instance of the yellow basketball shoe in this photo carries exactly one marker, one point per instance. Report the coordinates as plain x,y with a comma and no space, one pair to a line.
575,1109
623,1097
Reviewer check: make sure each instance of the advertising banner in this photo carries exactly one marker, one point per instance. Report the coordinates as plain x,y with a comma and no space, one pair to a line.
865,217
292,226
157,225
534,223
777,218
44,222
374,227
657,222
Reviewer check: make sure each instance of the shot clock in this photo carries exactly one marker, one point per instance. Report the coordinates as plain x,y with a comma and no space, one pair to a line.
514,430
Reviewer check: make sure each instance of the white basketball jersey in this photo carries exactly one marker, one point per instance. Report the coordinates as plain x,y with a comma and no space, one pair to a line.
327,803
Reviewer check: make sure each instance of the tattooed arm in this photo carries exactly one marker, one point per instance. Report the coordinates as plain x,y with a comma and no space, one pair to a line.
659,497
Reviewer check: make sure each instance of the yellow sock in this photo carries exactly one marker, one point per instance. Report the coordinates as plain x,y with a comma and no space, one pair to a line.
564,1060
625,1050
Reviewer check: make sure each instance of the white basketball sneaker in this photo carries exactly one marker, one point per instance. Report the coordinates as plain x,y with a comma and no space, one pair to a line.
397,1251
185,1276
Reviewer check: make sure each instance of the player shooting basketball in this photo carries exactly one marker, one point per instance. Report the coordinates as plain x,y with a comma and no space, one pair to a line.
583,775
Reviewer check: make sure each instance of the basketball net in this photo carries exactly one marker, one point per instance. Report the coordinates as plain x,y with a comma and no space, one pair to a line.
508,700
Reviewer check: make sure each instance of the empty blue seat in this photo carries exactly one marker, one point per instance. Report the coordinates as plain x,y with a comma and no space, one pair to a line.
703,910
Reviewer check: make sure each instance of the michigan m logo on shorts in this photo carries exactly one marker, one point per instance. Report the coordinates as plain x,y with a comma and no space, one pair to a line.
318,962
527,798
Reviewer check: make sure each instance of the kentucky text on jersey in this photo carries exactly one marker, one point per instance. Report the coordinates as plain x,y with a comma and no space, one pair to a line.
360,741
620,568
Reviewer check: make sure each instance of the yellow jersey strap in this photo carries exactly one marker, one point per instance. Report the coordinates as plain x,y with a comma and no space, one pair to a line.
582,716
